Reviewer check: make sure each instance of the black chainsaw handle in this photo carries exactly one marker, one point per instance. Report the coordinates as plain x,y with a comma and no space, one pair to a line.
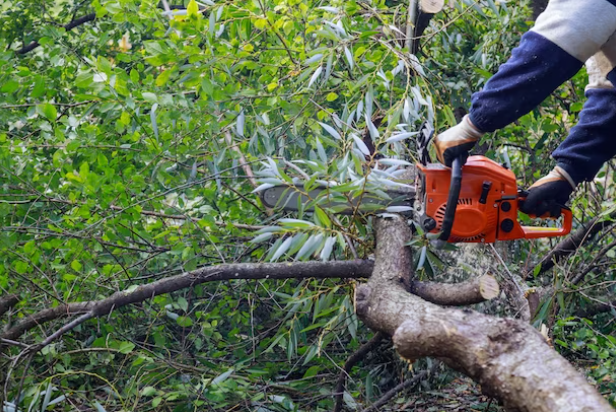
452,199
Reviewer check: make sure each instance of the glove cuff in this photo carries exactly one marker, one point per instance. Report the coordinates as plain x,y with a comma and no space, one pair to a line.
470,129
565,175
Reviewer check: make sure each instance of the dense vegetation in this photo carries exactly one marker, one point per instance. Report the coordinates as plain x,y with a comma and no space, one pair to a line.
126,149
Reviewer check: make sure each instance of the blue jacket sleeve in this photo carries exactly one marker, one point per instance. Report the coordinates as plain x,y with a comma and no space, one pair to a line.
534,70
592,142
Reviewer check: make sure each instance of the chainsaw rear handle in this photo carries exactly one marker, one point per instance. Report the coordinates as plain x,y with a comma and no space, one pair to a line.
452,199
532,232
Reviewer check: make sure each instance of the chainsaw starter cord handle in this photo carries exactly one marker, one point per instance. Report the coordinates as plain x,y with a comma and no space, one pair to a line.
452,199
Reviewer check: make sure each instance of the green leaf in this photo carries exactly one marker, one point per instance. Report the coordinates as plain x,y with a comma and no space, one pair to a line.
48,110
322,216
148,391
76,265
192,10
184,321
126,347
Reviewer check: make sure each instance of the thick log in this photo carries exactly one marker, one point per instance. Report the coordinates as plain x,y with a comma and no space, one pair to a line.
473,291
510,359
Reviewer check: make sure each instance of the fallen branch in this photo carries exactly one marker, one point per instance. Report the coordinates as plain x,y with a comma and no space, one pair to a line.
352,361
352,269
7,302
96,308
457,294
508,358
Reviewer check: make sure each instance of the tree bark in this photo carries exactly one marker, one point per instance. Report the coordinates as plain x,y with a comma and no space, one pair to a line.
509,358
419,16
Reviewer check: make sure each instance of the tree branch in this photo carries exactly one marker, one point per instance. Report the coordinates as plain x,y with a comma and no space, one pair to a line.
75,23
319,270
475,290
7,302
595,309
352,269
508,358
245,166
399,388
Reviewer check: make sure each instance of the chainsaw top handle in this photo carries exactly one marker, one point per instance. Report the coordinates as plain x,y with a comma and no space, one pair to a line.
452,199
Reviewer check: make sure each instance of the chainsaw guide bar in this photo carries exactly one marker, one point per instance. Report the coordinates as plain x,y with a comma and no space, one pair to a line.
290,199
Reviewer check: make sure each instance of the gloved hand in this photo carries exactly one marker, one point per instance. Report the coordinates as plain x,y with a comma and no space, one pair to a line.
549,194
456,141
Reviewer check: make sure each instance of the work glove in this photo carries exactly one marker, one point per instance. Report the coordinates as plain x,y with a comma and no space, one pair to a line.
549,194
456,141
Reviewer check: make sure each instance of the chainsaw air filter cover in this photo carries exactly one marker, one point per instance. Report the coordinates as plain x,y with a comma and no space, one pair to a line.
487,206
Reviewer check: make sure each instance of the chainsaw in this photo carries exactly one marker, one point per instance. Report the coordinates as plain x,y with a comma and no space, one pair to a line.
476,202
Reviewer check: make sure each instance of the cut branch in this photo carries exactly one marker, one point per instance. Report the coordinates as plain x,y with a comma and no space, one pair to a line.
320,270
476,290
7,302
508,358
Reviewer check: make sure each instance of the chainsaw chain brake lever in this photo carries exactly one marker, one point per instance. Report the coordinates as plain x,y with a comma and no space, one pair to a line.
452,202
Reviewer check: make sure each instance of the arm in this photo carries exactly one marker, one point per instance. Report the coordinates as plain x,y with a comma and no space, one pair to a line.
592,142
567,34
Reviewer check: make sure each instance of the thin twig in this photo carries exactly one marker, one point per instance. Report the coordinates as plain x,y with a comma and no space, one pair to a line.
245,166
399,388
353,359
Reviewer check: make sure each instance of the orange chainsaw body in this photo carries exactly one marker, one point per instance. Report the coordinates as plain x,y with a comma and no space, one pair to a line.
487,208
